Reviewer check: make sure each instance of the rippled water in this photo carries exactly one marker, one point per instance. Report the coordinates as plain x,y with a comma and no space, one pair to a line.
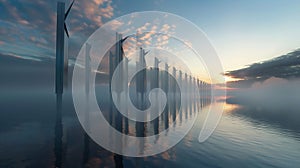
31,137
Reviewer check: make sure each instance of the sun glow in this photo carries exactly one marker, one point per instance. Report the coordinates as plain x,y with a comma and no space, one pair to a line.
230,79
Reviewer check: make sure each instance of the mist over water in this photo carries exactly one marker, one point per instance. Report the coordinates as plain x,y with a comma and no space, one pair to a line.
274,101
31,132
259,128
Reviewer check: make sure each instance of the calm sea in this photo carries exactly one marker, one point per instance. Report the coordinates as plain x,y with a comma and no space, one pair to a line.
33,135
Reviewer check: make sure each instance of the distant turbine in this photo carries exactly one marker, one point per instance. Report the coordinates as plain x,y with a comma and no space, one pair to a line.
141,78
155,80
115,58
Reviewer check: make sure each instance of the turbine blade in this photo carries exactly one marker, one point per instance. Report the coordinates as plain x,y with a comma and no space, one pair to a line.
124,39
122,50
145,53
68,11
66,30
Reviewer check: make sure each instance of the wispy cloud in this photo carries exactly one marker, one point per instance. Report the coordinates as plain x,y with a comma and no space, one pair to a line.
30,25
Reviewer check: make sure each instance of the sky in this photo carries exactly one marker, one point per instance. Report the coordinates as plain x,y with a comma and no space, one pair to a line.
242,32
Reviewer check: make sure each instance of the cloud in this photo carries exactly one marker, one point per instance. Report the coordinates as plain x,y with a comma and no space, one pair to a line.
115,24
285,66
91,13
148,35
269,82
29,26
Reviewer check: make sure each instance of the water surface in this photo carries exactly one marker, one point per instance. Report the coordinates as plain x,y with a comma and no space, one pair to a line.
32,135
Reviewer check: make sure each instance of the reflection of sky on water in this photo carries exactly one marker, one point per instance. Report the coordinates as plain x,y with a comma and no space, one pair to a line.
27,139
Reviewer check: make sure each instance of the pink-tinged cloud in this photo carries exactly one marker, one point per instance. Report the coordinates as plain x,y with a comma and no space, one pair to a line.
94,11
33,23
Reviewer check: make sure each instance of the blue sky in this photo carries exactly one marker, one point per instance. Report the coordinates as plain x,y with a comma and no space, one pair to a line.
243,32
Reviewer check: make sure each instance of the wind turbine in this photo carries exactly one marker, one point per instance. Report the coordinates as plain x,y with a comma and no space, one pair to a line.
141,78
141,85
61,58
155,80
173,83
166,79
155,84
115,58
60,67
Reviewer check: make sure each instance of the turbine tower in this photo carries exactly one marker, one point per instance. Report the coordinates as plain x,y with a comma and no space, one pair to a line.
155,80
61,58
60,67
